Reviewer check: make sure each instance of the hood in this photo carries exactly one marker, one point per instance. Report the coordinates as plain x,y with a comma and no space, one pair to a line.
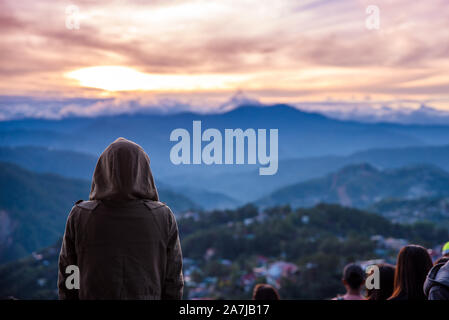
123,173
438,275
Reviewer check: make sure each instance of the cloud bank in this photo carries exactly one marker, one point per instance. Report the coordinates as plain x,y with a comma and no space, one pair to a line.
279,51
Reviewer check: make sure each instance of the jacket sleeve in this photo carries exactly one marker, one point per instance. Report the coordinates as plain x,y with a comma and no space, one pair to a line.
438,292
67,257
173,282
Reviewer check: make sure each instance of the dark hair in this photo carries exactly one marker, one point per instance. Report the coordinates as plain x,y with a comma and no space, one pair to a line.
353,275
386,283
413,264
264,291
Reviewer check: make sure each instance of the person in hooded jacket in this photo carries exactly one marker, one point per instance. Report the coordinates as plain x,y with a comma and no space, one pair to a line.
436,286
124,241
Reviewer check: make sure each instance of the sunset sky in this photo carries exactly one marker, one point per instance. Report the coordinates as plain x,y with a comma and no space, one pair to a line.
199,53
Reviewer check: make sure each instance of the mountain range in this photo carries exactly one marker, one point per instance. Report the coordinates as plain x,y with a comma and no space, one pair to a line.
398,171
221,189
248,185
301,134
53,161
362,185
365,112
310,145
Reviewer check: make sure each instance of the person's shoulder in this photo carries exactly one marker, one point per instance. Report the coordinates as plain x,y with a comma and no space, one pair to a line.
161,211
89,205
152,205
439,292
435,292
82,208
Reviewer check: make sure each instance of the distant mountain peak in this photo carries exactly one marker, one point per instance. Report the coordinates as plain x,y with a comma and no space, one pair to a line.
281,111
238,99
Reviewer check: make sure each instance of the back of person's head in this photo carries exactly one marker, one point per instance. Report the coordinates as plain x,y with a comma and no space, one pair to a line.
445,250
353,276
123,173
386,283
264,291
412,266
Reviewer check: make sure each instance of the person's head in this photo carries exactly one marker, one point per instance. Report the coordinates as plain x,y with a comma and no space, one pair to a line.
353,278
264,291
412,266
445,250
123,173
386,283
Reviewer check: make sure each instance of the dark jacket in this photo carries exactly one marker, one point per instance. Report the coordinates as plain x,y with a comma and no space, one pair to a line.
436,286
123,240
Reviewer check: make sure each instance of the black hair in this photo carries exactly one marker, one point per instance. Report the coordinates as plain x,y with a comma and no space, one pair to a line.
265,292
353,275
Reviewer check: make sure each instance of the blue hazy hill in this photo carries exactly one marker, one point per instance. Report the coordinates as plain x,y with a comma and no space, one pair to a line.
362,185
300,133
310,145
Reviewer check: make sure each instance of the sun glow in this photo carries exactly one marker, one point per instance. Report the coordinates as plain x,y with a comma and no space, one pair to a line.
119,78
